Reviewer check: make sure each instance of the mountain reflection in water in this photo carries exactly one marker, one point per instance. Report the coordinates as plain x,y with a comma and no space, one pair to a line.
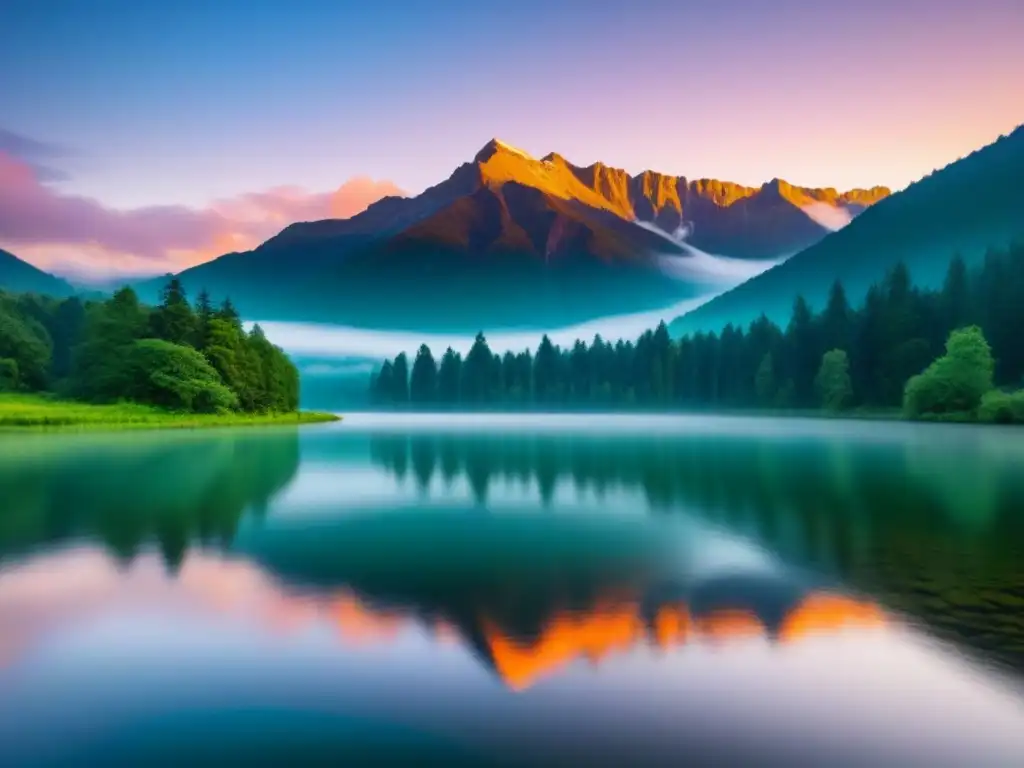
741,596
54,592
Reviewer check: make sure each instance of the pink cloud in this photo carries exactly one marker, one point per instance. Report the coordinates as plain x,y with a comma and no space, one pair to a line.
80,236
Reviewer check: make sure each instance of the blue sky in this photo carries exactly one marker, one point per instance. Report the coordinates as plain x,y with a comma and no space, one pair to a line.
186,103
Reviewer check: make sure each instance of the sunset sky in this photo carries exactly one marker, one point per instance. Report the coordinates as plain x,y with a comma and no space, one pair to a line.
139,137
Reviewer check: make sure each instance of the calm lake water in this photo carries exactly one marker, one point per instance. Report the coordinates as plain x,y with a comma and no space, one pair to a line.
529,590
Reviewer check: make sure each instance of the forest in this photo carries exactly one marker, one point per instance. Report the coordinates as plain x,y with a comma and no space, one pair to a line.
934,353
176,356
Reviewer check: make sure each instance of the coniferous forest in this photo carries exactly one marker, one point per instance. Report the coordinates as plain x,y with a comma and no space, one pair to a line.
175,355
955,345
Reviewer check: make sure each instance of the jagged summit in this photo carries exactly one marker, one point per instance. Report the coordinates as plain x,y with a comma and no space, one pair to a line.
505,230
496,146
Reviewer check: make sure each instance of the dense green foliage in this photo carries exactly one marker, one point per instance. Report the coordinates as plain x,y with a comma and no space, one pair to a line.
836,358
174,356
956,382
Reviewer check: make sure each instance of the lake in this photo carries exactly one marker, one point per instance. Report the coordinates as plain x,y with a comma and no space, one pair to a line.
515,590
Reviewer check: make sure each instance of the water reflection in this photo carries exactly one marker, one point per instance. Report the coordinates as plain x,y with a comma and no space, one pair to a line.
53,593
533,598
133,491
934,527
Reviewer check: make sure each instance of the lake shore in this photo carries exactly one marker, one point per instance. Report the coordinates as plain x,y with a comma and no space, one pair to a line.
35,412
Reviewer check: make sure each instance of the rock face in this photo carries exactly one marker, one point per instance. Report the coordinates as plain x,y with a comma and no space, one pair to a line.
512,241
967,207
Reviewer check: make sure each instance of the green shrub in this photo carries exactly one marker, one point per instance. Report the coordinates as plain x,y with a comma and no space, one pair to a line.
956,382
176,377
1002,407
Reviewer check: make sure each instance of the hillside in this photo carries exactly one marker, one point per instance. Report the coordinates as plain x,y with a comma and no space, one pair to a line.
966,207
21,277
511,241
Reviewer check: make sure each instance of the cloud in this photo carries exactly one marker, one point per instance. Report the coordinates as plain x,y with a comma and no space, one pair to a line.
34,153
80,236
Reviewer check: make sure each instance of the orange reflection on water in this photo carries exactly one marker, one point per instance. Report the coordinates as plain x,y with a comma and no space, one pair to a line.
361,624
567,636
672,626
597,633
822,612
730,624
52,593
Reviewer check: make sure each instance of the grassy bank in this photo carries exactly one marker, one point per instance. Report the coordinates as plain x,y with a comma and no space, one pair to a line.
37,411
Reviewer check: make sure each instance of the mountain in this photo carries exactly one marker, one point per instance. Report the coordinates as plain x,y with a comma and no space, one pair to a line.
511,241
21,277
970,205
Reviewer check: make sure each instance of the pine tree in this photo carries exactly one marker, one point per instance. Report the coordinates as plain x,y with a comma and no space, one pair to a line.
423,384
400,380
173,319
449,378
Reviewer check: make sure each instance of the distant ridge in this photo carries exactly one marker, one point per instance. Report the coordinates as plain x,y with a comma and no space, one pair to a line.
966,207
19,276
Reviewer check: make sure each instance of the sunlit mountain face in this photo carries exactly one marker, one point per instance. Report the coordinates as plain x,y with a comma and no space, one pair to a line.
512,242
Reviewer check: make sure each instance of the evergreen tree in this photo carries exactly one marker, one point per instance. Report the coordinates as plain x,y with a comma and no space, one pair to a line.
579,374
545,372
173,319
837,321
228,312
423,384
204,314
802,355
384,389
449,377
476,372
400,380
956,311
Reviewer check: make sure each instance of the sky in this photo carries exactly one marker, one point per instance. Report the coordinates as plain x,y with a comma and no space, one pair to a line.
143,137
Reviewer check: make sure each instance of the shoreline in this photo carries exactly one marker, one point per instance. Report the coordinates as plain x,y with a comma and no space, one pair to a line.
34,413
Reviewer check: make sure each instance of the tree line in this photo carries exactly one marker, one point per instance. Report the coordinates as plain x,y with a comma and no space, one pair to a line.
838,358
174,355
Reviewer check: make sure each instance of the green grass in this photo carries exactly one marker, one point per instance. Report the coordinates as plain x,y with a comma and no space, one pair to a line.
40,411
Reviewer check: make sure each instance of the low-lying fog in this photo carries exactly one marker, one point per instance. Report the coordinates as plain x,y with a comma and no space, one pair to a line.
325,342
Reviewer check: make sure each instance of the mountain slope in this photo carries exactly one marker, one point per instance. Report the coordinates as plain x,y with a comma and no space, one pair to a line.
21,277
966,207
511,241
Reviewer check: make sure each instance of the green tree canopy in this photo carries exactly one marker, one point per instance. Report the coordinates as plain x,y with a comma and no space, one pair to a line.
833,380
176,377
957,381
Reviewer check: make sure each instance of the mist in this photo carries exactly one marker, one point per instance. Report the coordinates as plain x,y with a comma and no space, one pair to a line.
832,218
705,268
338,341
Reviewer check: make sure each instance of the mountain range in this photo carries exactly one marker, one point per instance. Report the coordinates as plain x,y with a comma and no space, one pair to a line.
509,241
972,204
